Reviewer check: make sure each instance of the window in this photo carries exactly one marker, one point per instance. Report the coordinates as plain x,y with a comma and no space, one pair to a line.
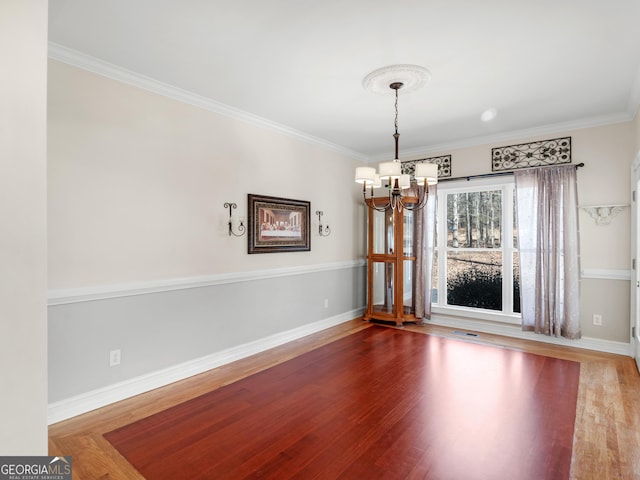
476,257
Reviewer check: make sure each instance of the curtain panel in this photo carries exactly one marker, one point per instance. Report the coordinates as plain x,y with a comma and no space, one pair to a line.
425,232
547,211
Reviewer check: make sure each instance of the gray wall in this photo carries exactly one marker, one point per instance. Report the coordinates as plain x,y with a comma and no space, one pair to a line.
159,330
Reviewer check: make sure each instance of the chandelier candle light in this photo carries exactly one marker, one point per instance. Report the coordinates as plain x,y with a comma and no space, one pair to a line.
425,173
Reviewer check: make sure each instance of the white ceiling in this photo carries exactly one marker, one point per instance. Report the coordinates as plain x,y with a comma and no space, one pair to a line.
544,65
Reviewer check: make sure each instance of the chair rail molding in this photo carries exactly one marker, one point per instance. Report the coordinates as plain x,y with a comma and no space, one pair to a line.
101,292
605,274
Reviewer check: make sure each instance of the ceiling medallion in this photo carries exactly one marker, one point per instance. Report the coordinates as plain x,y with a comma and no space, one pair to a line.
412,77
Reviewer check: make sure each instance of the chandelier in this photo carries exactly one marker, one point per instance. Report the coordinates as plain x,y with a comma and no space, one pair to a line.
403,191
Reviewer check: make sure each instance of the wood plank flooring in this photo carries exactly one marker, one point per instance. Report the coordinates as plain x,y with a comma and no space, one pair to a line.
606,440
380,403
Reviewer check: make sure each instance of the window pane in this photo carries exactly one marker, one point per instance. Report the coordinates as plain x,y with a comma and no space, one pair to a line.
516,282
383,289
474,279
515,223
434,278
383,231
473,219
408,237
437,226
408,272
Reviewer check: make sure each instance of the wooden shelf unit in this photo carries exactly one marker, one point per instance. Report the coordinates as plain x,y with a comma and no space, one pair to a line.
390,265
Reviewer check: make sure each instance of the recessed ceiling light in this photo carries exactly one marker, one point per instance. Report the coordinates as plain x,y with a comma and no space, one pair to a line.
488,115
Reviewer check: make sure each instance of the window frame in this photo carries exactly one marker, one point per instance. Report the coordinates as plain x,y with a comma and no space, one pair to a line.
507,185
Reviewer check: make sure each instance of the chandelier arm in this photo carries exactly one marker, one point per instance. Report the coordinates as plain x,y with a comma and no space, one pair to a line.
370,202
422,199
422,202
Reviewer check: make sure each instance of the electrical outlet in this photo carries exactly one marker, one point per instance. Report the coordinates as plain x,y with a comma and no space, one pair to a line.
114,358
597,319
326,303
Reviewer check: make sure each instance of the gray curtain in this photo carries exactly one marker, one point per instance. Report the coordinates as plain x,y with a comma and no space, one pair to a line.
547,208
425,231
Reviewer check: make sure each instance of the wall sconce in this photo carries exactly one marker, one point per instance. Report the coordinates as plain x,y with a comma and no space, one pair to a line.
241,228
322,231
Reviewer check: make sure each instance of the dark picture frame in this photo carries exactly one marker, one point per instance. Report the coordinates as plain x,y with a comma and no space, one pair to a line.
278,224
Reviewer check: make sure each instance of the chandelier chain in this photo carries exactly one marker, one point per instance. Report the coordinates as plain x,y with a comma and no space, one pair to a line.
414,199
396,122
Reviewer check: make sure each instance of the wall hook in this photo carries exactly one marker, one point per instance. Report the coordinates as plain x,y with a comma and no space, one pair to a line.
322,231
241,228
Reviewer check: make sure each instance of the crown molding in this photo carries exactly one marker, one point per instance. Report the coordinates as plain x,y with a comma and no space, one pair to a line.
87,62
92,64
554,128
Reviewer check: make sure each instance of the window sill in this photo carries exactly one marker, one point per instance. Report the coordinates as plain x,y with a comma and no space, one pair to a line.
478,314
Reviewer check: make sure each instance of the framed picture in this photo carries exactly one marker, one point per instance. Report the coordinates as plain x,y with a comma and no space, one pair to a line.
278,225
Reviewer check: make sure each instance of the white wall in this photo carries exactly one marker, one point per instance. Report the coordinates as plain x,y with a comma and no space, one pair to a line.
137,184
605,249
23,137
636,124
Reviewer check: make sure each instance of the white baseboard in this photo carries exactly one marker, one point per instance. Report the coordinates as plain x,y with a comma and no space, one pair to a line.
101,397
608,346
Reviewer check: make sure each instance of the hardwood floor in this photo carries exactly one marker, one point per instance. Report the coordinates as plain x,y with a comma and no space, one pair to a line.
606,441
